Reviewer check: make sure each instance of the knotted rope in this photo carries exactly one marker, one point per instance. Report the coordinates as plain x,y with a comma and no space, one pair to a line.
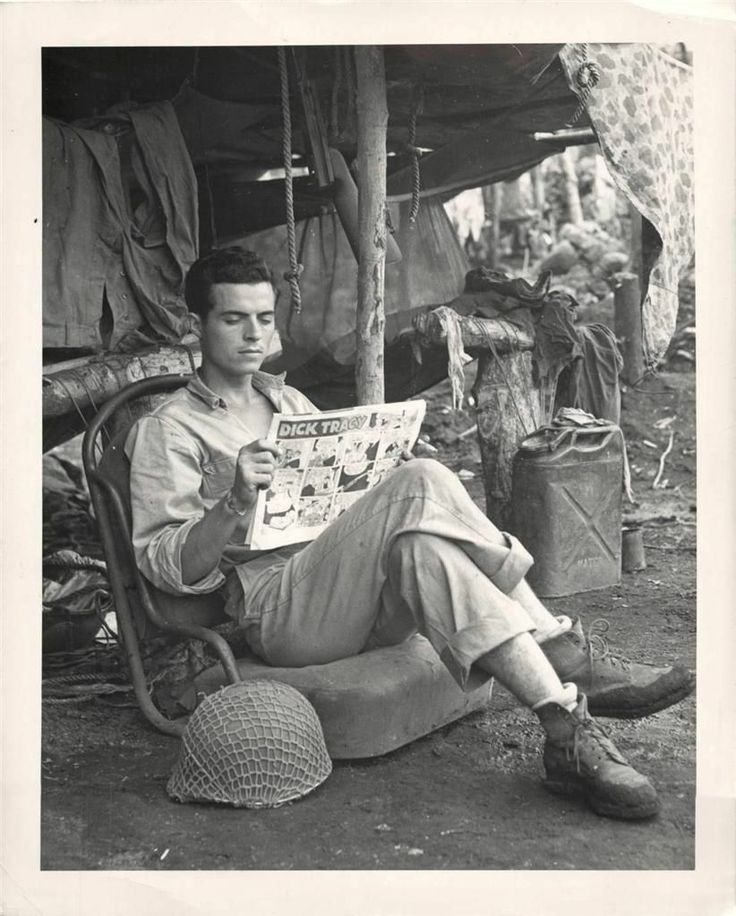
416,184
295,268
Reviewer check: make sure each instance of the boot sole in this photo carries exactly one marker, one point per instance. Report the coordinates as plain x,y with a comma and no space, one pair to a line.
639,712
572,789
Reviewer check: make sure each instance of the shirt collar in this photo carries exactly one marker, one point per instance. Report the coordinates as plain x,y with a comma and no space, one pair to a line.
272,386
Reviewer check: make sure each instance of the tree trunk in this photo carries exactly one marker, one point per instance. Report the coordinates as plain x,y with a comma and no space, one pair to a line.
508,409
627,326
539,190
372,124
572,194
493,201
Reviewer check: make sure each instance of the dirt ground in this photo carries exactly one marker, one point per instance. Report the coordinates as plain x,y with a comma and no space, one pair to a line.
468,796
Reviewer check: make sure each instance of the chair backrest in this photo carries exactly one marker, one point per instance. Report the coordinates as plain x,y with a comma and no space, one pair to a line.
108,475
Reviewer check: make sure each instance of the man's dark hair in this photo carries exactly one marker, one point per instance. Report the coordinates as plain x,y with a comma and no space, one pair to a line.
225,265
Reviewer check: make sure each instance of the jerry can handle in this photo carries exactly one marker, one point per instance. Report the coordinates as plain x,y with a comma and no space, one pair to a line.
585,431
571,433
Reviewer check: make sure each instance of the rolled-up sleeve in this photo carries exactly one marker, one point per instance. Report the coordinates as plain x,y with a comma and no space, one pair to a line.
166,502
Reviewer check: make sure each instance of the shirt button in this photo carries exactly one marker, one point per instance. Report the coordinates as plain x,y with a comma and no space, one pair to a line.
125,296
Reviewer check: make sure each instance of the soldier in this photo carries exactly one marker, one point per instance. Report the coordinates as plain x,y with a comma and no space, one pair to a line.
414,553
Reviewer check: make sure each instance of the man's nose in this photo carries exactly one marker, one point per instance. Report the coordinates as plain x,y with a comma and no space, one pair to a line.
251,330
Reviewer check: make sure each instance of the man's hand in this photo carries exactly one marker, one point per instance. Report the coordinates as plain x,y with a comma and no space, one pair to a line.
254,471
422,449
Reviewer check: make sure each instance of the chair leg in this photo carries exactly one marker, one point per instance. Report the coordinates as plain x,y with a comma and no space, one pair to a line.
173,727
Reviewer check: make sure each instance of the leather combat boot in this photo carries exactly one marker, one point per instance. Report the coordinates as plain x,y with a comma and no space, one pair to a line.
581,760
614,686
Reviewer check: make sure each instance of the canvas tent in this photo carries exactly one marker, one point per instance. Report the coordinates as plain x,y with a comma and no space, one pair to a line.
178,150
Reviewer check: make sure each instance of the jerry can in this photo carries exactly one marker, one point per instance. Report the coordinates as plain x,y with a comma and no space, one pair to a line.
566,507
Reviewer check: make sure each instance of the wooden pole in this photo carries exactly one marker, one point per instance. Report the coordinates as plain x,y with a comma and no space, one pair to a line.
372,115
627,326
572,194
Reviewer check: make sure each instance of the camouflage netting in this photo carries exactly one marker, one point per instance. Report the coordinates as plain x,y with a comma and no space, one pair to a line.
257,744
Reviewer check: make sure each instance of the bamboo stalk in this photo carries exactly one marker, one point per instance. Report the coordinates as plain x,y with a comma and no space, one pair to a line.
372,116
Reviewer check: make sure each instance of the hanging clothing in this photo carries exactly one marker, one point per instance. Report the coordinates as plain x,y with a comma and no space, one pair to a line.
120,226
592,382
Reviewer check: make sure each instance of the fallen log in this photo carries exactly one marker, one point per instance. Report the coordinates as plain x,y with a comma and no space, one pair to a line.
97,379
476,333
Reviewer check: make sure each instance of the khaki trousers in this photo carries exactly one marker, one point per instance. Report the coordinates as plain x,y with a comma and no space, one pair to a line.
414,554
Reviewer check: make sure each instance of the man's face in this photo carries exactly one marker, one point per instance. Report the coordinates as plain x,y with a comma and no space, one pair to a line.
236,335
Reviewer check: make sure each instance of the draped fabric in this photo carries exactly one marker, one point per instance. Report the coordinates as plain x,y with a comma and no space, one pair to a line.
642,112
120,228
431,271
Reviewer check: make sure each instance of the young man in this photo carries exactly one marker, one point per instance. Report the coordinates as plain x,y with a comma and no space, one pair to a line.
414,553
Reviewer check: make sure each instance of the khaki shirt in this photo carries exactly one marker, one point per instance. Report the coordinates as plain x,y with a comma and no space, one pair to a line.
182,461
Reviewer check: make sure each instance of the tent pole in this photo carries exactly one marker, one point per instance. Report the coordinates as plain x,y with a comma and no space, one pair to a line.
372,118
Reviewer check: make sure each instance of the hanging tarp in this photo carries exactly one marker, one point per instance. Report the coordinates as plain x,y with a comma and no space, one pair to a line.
120,229
642,111
431,271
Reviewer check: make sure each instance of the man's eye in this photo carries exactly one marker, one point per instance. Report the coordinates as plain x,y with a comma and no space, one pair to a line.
232,321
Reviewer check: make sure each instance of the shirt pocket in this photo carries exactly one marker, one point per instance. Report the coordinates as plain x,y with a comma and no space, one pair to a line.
217,477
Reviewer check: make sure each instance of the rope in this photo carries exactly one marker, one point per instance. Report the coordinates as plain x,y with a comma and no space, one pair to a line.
389,222
58,381
586,78
76,374
70,559
78,688
416,183
190,354
295,268
85,677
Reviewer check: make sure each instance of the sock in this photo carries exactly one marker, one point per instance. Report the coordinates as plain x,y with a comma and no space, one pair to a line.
567,697
564,625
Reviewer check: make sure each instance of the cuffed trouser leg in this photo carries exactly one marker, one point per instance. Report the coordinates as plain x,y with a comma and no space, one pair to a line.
435,586
364,577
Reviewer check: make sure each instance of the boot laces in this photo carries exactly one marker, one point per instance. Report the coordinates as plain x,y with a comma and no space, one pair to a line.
596,733
598,648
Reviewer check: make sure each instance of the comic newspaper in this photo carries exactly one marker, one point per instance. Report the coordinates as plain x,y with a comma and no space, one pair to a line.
328,461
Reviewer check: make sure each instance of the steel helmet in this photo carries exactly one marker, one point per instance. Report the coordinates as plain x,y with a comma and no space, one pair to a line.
256,744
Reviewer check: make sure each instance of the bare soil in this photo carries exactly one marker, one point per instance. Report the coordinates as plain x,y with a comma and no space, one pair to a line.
468,796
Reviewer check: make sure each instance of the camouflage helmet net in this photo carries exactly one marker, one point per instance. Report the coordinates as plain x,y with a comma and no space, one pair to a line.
257,744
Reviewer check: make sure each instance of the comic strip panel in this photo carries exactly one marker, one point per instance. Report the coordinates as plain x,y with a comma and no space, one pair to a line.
315,512
280,510
319,482
327,452
295,454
